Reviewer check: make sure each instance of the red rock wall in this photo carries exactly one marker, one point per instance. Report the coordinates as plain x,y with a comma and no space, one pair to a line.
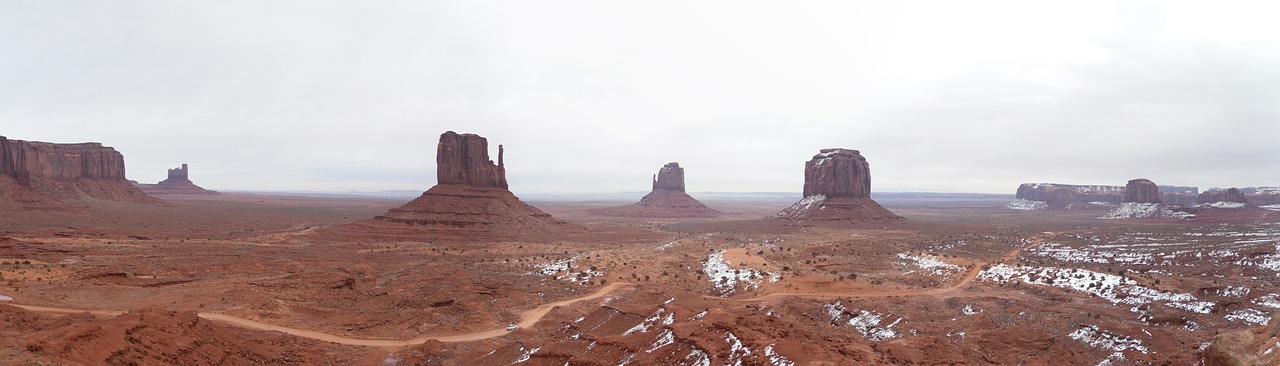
24,160
669,178
1141,191
837,173
463,159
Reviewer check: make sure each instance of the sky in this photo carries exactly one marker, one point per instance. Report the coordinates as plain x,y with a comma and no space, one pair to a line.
595,96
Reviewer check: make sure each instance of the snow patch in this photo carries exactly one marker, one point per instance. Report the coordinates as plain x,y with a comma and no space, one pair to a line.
1249,316
776,359
931,263
1135,210
1026,205
1115,289
725,279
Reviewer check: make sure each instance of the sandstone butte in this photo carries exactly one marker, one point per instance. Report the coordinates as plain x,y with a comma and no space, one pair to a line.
469,203
837,187
1226,195
666,199
177,183
1141,191
1057,195
49,176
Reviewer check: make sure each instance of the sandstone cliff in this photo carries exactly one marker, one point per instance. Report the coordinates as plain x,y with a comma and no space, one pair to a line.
667,199
1141,191
470,203
1227,195
42,175
1248,347
837,187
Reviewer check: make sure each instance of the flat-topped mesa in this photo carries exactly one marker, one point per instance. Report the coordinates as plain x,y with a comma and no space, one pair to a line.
837,173
470,203
1141,191
669,178
1226,195
837,187
463,159
43,175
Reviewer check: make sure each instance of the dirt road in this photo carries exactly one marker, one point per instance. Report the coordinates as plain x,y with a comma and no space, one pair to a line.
527,319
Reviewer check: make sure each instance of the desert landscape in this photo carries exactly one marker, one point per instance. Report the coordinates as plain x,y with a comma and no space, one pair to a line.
612,183
99,273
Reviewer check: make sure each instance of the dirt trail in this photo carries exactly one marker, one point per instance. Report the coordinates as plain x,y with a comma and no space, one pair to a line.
967,279
527,319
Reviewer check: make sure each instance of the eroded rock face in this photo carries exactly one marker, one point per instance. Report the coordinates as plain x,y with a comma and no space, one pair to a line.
669,178
177,175
837,173
837,187
41,174
1248,347
667,199
470,203
1141,191
463,159
1227,195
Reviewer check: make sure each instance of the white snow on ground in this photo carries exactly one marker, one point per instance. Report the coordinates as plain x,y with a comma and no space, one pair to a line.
1026,205
657,318
968,309
1115,289
1135,210
1271,207
1102,339
804,205
1222,204
1271,301
726,279
664,339
868,323
776,359
698,315
1231,291
737,351
1250,316
526,355
665,246
1102,254
554,268
697,358
931,263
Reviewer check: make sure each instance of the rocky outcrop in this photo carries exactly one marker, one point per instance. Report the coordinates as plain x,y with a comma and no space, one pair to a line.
667,199
837,187
463,159
1248,347
470,203
669,178
42,175
1227,195
177,183
1141,191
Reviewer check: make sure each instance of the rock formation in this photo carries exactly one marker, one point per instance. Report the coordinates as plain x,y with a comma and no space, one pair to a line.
470,203
1141,191
42,175
1248,347
1227,195
837,187
667,199
177,183
1074,196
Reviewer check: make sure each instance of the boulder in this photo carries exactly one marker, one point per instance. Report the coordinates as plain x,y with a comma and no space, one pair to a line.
1141,191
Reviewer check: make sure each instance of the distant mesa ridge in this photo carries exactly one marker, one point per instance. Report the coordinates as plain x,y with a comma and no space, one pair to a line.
1057,195
666,199
177,183
43,175
837,187
469,203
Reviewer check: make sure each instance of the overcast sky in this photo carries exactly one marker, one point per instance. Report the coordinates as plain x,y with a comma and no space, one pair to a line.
595,96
